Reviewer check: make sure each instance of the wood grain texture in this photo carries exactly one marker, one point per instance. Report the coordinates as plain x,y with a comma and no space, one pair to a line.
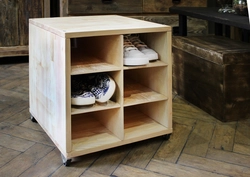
217,167
160,6
14,22
212,73
9,23
83,7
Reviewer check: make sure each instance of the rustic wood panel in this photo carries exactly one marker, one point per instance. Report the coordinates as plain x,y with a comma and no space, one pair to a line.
212,73
80,7
159,6
28,9
192,79
9,23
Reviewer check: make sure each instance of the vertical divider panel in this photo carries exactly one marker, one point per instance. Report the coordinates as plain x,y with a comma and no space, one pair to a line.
114,119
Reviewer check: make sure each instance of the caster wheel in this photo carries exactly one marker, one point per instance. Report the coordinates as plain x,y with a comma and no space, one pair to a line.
166,137
66,162
33,119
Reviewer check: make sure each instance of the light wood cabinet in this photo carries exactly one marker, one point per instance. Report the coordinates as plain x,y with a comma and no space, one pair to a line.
14,17
141,106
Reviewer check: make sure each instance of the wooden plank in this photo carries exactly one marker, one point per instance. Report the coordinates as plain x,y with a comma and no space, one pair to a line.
30,157
28,9
92,173
98,26
223,137
13,51
242,149
171,150
51,162
173,169
78,166
156,6
114,156
229,157
7,154
214,166
25,133
242,135
83,7
199,139
9,35
128,171
142,152
47,95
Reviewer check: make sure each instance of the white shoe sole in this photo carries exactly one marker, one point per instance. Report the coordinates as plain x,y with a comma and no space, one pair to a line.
109,93
135,61
82,101
152,57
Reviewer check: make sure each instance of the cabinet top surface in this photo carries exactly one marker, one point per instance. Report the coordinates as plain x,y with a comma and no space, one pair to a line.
81,26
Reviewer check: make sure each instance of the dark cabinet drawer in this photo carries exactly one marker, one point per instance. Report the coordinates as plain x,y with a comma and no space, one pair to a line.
78,7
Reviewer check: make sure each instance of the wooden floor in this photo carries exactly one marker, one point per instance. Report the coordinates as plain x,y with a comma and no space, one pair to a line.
199,146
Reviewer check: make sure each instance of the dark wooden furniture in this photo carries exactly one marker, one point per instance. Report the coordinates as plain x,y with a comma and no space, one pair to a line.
212,72
14,18
222,21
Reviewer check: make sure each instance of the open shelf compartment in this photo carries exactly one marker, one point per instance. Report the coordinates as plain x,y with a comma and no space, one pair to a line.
114,102
142,86
96,54
97,130
147,121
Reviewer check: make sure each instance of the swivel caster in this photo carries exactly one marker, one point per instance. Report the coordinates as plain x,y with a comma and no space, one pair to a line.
66,162
166,137
33,119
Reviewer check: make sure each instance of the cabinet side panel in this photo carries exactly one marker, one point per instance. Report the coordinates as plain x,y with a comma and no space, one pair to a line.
47,84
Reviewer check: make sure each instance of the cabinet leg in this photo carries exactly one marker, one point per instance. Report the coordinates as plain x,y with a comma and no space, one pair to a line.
66,162
33,119
166,137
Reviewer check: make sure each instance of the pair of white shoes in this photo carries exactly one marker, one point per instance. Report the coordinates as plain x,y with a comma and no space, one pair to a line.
136,52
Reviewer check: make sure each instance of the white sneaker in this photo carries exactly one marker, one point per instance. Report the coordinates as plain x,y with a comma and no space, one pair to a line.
102,86
131,55
141,46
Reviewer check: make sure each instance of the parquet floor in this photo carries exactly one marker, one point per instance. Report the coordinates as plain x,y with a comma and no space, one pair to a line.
199,146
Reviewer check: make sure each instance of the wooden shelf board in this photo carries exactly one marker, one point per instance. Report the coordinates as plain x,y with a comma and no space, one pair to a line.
90,64
156,63
135,93
139,126
96,107
89,135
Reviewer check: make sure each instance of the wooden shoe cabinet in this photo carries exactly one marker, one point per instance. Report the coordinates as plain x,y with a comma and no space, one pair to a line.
141,107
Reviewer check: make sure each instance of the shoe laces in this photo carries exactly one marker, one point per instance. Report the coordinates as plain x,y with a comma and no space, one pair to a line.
135,40
127,45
